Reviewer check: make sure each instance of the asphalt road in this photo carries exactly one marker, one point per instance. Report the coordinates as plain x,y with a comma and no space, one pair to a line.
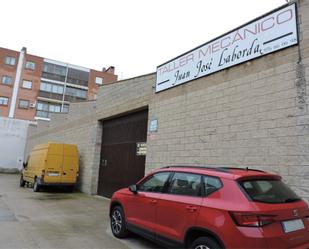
55,219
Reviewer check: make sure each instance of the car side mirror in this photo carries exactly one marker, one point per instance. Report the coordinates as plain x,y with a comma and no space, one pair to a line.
133,189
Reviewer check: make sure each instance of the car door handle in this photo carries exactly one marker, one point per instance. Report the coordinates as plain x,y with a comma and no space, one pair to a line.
191,209
153,202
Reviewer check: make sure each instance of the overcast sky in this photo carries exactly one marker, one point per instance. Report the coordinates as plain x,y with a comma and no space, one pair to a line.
135,36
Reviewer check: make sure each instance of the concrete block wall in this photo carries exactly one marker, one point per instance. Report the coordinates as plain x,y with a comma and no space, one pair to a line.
74,128
83,126
253,115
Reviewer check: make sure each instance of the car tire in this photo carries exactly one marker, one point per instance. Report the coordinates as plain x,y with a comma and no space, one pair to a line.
22,182
118,223
36,186
205,243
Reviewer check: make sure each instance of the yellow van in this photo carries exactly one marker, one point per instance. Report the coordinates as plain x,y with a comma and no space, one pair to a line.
51,164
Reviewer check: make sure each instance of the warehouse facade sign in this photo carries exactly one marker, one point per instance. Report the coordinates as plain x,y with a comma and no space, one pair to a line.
269,33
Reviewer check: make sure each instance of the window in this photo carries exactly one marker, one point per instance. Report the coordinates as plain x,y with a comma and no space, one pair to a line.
10,60
46,87
42,114
211,185
30,65
4,100
54,108
269,191
45,108
23,104
54,72
42,110
99,80
52,88
42,106
77,77
65,109
77,93
185,184
27,84
7,80
155,183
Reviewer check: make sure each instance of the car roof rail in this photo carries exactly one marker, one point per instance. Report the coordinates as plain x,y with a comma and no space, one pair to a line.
245,169
221,169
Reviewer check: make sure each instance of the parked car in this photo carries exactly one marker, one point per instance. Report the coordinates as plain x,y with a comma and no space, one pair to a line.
200,207
51,164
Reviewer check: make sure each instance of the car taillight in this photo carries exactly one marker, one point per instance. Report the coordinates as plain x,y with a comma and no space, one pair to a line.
252,219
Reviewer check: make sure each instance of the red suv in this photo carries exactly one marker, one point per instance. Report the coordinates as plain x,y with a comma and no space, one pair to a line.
206,208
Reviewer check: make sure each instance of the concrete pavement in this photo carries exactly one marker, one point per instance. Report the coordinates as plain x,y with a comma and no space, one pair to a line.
56,220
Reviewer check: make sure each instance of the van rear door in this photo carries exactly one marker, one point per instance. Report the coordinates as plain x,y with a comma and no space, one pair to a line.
70,164
54,162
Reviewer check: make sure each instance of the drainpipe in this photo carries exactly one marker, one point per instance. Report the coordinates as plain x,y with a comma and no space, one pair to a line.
17,81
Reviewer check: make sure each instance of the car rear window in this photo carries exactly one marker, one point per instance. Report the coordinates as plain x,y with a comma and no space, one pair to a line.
269,191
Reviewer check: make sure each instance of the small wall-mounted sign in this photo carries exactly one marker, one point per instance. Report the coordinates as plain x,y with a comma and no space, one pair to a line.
141,149
153,125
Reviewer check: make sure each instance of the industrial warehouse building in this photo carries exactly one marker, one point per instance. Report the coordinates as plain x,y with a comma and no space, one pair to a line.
238,100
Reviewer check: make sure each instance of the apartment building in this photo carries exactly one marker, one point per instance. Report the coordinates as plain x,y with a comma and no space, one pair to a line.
33,87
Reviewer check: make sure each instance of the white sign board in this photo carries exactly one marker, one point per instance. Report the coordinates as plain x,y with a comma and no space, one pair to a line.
153,127
269,33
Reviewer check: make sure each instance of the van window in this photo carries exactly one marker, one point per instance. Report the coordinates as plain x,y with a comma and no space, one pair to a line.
269,191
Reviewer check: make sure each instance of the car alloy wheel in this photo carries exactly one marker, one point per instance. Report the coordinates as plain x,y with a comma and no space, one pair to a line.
116,221
205,243
201,247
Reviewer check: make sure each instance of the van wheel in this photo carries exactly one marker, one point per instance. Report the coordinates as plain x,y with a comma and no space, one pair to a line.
22,182
118,223
36,186
205,243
